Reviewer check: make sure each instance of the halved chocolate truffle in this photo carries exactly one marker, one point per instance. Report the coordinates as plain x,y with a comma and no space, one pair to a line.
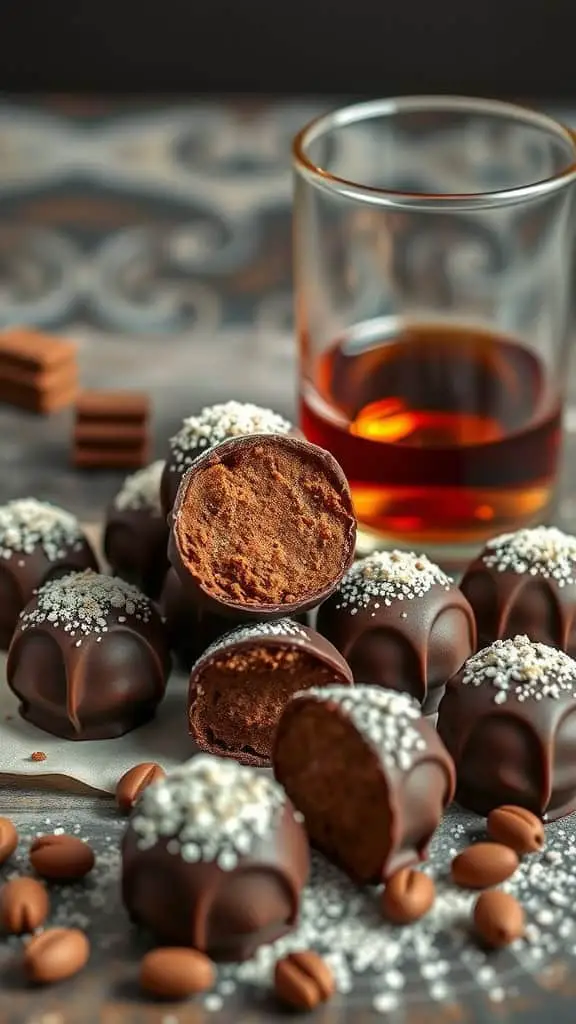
215,423
38,542
136,532
215,858
524,583
262,526
242,683
401,623
89,658
509,721
369,774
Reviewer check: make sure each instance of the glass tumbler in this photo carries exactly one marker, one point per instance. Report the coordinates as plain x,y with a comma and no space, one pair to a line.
433,241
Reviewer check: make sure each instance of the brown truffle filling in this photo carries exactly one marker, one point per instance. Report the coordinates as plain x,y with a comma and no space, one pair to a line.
242,695
335,780
266,527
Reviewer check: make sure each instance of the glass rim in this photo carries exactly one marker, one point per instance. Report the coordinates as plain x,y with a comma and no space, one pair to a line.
370,109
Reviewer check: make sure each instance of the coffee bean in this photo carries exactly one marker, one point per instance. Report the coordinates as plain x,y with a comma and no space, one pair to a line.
484,864
408,896
303,980
135,781
498,919
175,973
8,839
517,828
24,905
61,857
55,954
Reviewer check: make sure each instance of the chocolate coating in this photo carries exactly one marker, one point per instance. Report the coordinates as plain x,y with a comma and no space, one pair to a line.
378,780
400,623
89,658
225,892
222,542
38,542
242,683
190,629
136,532
525,583
508,719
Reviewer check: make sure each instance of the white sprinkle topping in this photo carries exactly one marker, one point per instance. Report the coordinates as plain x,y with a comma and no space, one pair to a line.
387,576
255,631
522,670
83,603
543,551
213,809
26,524
217,423
383,717
141,490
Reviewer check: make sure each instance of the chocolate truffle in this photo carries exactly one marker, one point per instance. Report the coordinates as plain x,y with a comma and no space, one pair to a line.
89,659
190,629
241,684
136,532
524,583
401,623
369,774
509,721
215,858
38,542
262,527
215,423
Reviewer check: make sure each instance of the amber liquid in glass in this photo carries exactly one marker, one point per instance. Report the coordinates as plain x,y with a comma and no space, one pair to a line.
447,434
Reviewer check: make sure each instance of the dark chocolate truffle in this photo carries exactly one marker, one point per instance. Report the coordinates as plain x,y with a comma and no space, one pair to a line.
38,542
136,532
524,583
215,858
242,683
369,774
262,526
401,623
190,629
509,721
215,423
89,658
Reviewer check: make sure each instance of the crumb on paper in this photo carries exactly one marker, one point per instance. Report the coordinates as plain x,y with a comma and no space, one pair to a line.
38,755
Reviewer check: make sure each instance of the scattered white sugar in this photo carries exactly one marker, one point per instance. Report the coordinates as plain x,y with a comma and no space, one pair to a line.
141,490
522,670
213,1002
385,718
542,551
387,576
255,631
211,808
26,524
84,604
216,423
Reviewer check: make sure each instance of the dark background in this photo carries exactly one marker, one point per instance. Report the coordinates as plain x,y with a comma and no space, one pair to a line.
354,47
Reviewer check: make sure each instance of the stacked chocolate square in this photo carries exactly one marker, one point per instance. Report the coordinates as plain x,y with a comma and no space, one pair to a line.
111,430
38,372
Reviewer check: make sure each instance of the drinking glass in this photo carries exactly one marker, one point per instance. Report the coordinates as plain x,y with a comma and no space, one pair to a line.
433,241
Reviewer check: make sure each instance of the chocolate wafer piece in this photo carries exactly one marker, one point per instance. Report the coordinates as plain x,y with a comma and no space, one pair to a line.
38,372
111,430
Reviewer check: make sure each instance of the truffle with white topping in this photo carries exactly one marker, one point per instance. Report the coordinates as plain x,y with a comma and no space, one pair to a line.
38,541
212,425
136,531
215,857
401,623
369,774
525,583
89,658
240,685
509,721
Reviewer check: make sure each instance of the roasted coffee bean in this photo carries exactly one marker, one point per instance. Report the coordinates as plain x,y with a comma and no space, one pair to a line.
135,781
8,839
175,973
61,857
55,954
484,864
517,828
408,896
498,919
24,905
303,980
